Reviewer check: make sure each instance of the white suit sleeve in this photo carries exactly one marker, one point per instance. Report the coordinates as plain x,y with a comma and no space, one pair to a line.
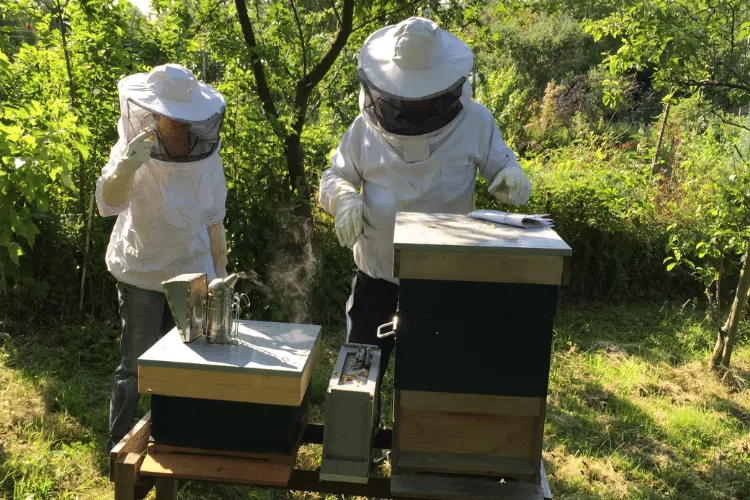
219,190
497,155
105,210
344,175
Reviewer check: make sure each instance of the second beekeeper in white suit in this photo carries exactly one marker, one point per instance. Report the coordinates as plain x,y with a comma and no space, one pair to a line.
165,183
416,146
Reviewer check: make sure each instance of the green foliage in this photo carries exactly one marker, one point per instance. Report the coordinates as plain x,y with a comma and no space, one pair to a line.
686,43
544,47
537,70
602,197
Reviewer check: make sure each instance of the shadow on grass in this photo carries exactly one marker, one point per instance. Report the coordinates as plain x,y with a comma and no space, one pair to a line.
731,409
674,333
72,369
590,422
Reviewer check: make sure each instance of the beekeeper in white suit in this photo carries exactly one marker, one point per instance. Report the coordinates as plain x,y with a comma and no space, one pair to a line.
415,146
165,183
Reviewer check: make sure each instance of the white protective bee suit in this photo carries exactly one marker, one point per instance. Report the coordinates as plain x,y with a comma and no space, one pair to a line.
164,215
165,183
431,172
416,146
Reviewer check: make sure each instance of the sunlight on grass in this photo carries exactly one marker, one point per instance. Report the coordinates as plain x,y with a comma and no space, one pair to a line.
633,412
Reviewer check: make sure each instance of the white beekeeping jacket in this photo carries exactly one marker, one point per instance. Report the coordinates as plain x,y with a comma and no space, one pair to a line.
161,231
435,172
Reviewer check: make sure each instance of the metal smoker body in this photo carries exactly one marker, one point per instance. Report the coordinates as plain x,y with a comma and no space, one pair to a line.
222,310
205,309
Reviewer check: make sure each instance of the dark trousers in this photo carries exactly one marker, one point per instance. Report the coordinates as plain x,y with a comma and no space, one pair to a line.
145,318
374,302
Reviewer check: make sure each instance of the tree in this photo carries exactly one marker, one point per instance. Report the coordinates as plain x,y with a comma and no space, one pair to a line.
688,44
716,234
287,109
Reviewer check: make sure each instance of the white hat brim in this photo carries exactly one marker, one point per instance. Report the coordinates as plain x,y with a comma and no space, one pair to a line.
376,60
207,102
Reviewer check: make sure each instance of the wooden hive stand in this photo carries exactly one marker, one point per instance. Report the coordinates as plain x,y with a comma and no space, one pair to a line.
134,477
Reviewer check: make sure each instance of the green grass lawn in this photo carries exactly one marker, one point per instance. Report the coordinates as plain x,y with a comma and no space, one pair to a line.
632,411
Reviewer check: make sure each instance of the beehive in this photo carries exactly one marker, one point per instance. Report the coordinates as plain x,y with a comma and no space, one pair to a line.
251,396
477,302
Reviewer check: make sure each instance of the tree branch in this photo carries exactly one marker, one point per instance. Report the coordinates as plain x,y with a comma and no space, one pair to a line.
301,37
713,83
728,122
335,11
261,84
312,79
388,14
320,69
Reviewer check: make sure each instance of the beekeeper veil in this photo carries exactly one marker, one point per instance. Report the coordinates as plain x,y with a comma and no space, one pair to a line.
185,114
413,76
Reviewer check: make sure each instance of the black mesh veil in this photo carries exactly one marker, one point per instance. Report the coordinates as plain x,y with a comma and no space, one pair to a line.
411,117
196,140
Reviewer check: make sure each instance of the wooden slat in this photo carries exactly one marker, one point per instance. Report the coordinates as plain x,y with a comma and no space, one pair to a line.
126,475
396,423
470,403
312,361
538,473
134,442
497,268
218,385
468,464
166,489
436,486
214,468
161,449
444,432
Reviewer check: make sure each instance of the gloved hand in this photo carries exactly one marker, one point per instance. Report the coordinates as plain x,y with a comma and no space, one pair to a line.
116,186
511,186
349,218
137,153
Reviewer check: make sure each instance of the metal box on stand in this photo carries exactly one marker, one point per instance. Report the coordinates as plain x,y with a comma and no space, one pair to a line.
351,410
477,301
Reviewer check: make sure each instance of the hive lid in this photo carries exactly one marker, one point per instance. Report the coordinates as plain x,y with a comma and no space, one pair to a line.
279,349
461,233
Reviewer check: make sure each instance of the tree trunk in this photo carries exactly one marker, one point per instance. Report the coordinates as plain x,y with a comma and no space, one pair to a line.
661,138
722,354
718,349
72,90
295,161
293,152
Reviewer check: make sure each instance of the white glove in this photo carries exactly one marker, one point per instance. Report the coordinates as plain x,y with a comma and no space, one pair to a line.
116,186
349,218
137,153
217,237
511,186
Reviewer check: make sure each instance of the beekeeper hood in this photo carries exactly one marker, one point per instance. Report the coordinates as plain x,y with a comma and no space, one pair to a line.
171,91
413,76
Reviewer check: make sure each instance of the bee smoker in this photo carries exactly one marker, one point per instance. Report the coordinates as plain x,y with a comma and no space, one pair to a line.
223,306
205,309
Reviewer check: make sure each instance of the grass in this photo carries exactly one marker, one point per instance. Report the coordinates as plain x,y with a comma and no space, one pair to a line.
632,411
